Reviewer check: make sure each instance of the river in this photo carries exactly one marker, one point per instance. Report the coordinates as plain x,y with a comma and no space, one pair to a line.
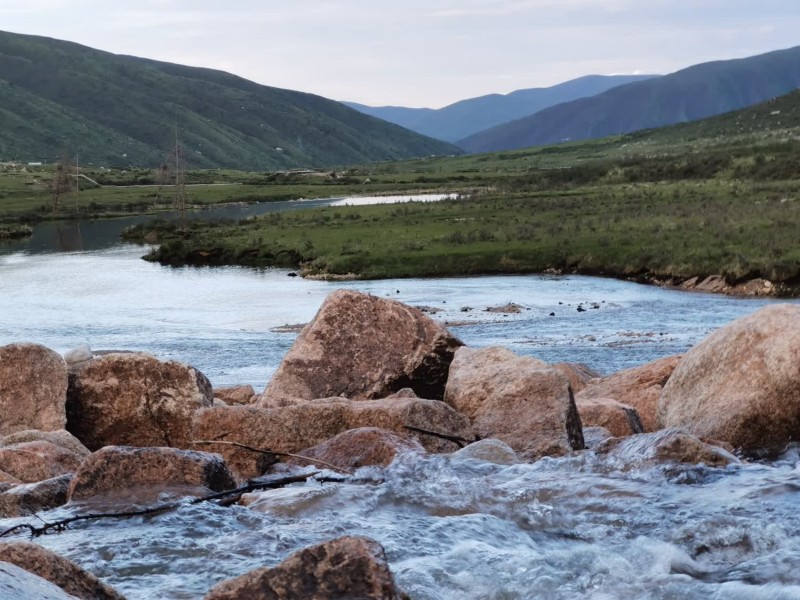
578,527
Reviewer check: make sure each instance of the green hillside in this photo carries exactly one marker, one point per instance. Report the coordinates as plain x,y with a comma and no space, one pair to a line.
691,94
116,110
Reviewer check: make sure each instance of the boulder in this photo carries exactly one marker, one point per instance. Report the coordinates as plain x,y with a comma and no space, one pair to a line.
133,399
30,498
578,374
16,583
236,394
62,438
620,419
364,347
517,399
490,450
33,388
741,384
37,460
347,567
116,468
56,569
301,426
665,445
638,387
361,447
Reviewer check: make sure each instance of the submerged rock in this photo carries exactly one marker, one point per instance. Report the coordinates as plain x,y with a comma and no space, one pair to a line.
348,567
135,400
30,498
56,569
115,468
638,387
33,388
364,347
361,447
519,400
665,445
620,419
741,384
490,450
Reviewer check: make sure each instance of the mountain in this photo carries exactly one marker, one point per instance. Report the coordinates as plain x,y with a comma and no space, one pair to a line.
695,93
121,110
464,118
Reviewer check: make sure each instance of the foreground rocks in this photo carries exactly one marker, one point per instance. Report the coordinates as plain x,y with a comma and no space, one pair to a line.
30,498
666,445
33,386
135,400
35,461
619,419
519,400
363,347
742,383
362,447
348,567
18,583
56,569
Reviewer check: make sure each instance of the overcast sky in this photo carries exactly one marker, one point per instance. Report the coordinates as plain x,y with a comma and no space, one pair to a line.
417,52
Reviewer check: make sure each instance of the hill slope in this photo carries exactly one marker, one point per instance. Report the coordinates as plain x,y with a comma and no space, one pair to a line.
464,118
122,110
691,94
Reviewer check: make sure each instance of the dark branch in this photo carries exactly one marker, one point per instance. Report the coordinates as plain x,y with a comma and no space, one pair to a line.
450,438
276,453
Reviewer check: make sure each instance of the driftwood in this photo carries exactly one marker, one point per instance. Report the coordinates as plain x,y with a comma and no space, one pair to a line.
461,442
276,453
226,498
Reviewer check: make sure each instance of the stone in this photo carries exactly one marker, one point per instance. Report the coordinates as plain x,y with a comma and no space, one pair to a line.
741,384
33,388
639,387
578,374
116,468
56,569
490,450
236,394
16,583
362,447
620,419
517,399
61,438
30,498
37,460
78,355
300,426
133,399
594,436
347,567
665,446
363,347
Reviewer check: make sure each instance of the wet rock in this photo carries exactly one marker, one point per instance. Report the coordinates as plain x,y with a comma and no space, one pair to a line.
8,478
58,570
78,355
361,447
135,400
517,399
237,394
62,438
578,374
742,383
348,567
639,387
116,468
620,419
16,583
295,428
363,347
665,445
37,460
594,436
33,388
30,498
491,450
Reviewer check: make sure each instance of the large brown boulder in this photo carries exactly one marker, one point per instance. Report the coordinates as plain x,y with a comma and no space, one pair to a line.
301,426
664,446
741,384
620,419
638,387
16,583
33,388
37,460
364,347
116,468
134,399
61,438
57,570
361,447
30,498
516,399
348,567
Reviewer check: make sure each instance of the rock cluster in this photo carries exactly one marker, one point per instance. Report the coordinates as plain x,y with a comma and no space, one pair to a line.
368,380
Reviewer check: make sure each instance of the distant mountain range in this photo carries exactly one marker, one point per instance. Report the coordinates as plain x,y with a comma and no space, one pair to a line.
120,110
462,119
695,93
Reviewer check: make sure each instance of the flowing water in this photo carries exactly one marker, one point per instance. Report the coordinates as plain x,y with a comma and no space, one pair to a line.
577,527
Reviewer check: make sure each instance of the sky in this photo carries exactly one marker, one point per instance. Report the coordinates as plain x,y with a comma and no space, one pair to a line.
418,53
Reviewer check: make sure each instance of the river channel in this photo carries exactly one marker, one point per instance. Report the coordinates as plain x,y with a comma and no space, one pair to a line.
577,527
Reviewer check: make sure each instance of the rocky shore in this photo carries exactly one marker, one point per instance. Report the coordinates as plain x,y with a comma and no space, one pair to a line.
367,380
